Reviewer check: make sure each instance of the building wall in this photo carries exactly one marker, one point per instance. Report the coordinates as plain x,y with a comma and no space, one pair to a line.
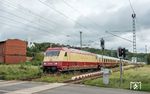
15,47
13,51
2,46
14,59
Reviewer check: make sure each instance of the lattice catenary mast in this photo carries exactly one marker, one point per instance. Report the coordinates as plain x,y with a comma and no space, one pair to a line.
134,32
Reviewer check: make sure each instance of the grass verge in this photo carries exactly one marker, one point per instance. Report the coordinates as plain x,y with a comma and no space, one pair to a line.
27,71
55,78
19,72
141,74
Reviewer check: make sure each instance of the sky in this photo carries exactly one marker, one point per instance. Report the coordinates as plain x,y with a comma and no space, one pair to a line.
60,21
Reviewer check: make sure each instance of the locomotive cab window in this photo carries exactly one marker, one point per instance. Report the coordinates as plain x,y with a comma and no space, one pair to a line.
52,53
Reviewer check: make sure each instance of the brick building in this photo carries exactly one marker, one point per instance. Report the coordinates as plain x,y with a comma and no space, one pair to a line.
12,51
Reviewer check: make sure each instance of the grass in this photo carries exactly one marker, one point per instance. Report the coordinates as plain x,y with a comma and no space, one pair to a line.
132,75
23,72
55,78
19,72
27,71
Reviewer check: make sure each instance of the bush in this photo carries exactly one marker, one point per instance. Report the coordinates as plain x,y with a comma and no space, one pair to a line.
37,60
38,57
34,63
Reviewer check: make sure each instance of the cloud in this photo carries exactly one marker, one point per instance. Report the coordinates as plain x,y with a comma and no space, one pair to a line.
30,19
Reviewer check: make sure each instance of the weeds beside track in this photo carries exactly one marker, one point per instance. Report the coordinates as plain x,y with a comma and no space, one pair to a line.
80,79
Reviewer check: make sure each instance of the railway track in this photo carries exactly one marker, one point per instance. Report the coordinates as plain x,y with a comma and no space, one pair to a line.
57,74
94,75
80,76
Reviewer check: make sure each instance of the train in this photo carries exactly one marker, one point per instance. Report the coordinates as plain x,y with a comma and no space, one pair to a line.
60,59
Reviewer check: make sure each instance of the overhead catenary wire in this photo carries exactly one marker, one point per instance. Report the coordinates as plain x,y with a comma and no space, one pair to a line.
13,7
62,14
131,7
32,13
37,15
21,18
12,24
22,23
29,26
133,10
119,37
93,22
73,20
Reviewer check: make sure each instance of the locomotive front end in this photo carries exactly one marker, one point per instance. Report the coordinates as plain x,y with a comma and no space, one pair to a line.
51,61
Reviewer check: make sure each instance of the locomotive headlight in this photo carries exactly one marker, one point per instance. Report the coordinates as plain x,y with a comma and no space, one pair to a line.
55,63
44,63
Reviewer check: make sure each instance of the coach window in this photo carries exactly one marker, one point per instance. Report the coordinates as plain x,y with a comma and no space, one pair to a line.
65,53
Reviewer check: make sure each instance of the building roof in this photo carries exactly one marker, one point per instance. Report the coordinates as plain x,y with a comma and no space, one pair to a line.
10,40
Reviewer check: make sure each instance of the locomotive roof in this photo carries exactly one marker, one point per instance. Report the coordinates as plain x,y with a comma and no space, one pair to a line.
81,52
71,50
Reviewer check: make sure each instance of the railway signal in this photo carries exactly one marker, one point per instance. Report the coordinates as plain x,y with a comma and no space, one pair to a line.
121,55
102,43
81,40
124,53
121,52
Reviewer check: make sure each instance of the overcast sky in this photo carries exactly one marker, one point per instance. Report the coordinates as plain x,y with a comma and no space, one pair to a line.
60,21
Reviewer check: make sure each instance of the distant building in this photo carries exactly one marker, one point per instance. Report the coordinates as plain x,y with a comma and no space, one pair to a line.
30,44
13,51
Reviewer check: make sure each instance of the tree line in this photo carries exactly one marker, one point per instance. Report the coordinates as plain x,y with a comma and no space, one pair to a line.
39,48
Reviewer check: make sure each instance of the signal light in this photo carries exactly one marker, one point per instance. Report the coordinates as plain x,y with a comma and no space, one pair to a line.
124,52
121,52
102,44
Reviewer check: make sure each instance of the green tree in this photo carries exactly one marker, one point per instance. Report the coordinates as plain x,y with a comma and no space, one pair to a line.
148,59
39,56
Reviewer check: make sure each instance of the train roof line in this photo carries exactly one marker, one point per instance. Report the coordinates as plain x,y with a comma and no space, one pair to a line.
71,50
